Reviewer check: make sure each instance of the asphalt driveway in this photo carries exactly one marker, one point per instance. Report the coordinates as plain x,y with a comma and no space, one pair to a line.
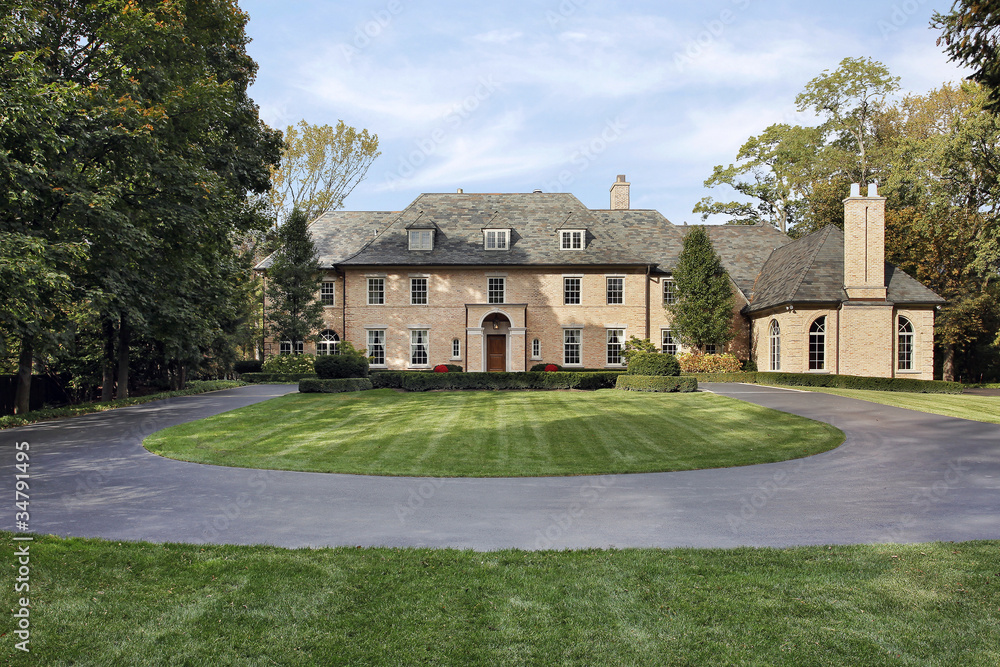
901,476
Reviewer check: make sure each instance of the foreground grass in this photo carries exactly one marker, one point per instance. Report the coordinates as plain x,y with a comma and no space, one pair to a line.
496,434
103,603
194,387
963,406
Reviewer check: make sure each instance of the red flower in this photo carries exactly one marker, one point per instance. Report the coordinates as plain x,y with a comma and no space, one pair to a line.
440,368
551,368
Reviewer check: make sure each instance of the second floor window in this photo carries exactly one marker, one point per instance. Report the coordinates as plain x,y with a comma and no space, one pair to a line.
669,292
376,291
496,290
327,293
418,291
616,291
571,291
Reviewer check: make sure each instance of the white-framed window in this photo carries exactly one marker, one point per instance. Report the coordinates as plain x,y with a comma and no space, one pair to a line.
376,346
495,239
774,336
418,347
571,291
496,290
668,343
571,347
421,239
571,239
904,351
817,344
536,349
616,338
669,291
376,291
328,343
328,293
616,290
285,347
456,348
418,291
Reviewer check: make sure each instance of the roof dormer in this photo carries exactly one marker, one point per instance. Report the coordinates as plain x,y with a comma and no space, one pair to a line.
572,239
496,238
421,234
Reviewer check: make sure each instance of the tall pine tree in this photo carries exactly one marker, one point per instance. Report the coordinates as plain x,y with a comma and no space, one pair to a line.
703,312
293,282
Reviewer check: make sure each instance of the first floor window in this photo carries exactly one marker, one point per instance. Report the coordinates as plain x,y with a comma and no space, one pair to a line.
571,291
817,345
616,291
327,293
418,291
775,346
668,344
496,290
615,338
418,347
376,346
711,348
669,292
376,291
328,343
571,346
456,349
536,349
286,347
905,352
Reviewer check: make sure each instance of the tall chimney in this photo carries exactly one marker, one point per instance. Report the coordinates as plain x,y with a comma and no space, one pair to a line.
619,194
864,245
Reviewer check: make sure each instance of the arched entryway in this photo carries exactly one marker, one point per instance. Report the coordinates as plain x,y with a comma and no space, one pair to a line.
496,328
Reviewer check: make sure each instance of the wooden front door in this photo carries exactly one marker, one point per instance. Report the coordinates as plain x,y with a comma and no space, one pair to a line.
496,353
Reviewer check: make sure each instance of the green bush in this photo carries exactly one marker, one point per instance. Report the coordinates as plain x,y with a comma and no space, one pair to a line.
417,381
248,366
334,386
659,383
342,366
709,363
275,378
454,368
290,363
747,378
749,366
834,381
653,363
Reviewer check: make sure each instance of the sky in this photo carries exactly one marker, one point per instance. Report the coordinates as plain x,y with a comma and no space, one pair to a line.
564,95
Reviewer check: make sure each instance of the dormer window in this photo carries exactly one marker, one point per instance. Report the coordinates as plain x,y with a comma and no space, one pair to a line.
496,239
421,239
571,239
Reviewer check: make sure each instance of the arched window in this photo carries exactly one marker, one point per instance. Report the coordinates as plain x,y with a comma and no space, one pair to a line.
775,347
904,351
817,345
328,343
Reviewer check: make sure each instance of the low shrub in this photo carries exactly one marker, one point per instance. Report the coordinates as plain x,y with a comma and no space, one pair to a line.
415,381
290,363
835,382
275,378
653,363
551,368
749,366
747,378
454,368
333,385
659,383
709,363
334,366
248,366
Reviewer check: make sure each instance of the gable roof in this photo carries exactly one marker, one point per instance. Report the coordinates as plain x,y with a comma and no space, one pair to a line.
811,270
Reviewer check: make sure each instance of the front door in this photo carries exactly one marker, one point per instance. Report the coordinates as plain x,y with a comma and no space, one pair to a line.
496,353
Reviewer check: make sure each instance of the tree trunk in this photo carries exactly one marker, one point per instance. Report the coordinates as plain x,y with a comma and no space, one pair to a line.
22,398
948,364
123,342
181,376
107,369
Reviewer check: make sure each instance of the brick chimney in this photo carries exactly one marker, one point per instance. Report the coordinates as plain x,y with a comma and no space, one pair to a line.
619,194
864,245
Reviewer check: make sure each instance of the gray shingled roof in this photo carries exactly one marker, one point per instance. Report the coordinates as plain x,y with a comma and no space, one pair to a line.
744,249
653,238
811,270
340,234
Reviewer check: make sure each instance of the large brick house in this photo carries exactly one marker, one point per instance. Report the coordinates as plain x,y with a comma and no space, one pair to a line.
505,281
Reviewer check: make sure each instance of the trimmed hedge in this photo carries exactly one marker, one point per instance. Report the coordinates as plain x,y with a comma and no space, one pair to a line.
660,383
332,366
836,382
653,363
416,381
275,378
333,385
709,363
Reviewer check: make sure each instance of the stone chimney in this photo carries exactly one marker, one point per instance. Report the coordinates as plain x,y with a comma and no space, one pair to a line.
864,245
619,194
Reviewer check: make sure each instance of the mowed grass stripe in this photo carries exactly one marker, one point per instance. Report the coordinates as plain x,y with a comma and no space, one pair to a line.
496,434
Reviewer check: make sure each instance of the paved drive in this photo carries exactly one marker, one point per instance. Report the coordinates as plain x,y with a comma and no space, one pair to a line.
901,476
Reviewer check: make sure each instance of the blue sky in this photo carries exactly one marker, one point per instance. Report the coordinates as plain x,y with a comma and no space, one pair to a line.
566,94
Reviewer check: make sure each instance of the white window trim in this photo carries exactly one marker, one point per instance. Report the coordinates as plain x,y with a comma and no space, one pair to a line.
502,301
506,231
332,283
427,290
534,356
579,295
427,345
583,239
621,344
676,344
368,287
409,239
385,351
606,279
579,344
456,357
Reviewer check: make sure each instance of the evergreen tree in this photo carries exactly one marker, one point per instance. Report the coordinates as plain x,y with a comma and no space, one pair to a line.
703,312
293,282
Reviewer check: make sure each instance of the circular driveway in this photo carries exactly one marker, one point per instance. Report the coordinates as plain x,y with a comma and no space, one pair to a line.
901,476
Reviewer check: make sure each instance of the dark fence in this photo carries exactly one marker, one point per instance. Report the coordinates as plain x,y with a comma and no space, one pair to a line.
43,390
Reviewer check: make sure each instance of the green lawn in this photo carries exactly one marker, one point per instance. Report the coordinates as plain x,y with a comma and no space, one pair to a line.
106,603
496,434
963,406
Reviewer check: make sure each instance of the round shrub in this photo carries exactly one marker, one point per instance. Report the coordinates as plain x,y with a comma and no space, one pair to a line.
653,363
342,366
454,368
552,368
441,368
289,363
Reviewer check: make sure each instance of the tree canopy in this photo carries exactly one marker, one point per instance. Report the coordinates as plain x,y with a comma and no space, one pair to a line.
703,311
